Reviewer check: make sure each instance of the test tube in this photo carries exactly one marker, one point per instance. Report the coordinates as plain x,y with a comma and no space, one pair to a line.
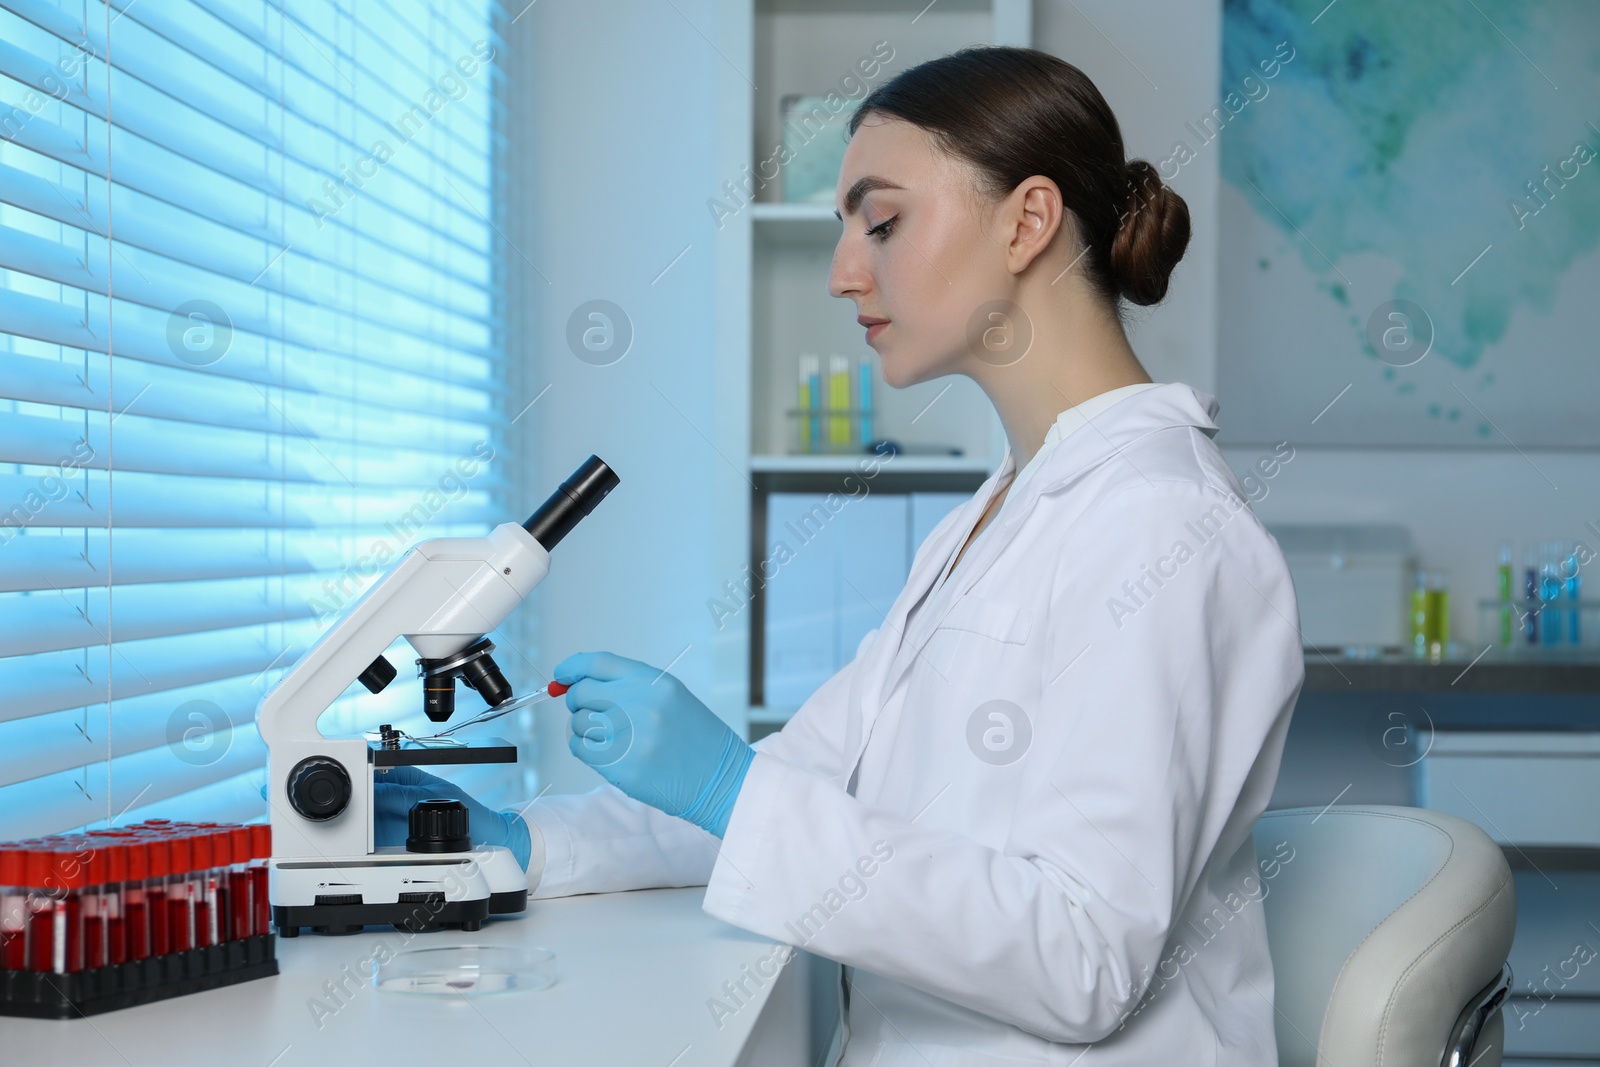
158,860
179,889
1573,582
229,866
95,905
13,907
1550,593
260,862
55,908
135,896
111,857
241,921
1530,593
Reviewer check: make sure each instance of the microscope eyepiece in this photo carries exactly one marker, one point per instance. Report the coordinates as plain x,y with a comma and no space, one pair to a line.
576,497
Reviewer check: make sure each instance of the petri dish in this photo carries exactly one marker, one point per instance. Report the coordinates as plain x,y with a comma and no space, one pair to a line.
467,971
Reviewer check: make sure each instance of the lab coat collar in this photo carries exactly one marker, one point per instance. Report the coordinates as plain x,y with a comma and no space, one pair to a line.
1089,442
1083,447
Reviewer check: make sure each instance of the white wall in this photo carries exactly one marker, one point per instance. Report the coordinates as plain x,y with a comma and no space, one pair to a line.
619,116
1158,64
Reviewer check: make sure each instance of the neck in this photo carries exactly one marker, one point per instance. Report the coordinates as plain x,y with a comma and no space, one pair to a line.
1079,351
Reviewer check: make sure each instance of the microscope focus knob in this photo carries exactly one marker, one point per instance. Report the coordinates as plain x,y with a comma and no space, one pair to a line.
439,826
319,788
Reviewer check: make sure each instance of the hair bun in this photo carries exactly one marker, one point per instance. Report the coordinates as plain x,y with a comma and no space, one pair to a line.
1151,237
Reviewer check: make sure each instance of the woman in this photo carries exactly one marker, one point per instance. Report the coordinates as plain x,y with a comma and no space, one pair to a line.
1021,816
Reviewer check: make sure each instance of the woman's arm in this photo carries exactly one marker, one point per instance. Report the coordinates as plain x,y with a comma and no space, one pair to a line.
1146,760
604,841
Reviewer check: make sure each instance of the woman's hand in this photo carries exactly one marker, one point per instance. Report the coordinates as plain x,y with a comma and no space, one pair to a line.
651,738
397,789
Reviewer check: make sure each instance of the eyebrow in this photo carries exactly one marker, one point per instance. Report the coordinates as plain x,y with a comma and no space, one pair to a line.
858,192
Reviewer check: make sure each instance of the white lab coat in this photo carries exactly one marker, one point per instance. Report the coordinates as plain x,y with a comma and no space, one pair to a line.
1078,871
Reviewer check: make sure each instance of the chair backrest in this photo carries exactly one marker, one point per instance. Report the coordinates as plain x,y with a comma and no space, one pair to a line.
1383,922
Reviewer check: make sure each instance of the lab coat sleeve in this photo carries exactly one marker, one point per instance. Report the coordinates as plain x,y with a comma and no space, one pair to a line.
1143,746
604,841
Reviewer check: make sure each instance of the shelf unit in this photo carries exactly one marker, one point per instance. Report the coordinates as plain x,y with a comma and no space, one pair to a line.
814,46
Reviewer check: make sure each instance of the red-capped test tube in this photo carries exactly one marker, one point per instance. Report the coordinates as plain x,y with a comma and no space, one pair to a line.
179,885
136,895
57,878
110,867
260,864
158,865
13,907
241,916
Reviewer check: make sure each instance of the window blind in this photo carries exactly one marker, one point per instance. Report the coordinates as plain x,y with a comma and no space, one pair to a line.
249,352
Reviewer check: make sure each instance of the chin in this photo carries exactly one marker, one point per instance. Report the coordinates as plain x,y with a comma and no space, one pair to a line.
897,372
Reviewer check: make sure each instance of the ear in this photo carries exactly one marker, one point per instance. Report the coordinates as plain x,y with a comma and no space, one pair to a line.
1032,216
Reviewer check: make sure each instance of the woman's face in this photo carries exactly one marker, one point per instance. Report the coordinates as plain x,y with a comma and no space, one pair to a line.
931,259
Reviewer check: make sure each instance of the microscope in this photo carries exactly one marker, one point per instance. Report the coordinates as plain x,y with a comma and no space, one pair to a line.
443,596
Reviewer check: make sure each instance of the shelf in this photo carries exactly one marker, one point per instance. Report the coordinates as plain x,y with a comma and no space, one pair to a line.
795,224
845,463
1496,672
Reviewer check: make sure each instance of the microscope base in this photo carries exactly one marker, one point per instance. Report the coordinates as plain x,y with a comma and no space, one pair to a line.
411,891
430,911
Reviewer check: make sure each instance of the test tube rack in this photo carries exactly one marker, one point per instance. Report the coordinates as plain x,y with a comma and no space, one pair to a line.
110,919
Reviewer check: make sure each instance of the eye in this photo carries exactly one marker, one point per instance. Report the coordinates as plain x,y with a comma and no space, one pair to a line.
881,230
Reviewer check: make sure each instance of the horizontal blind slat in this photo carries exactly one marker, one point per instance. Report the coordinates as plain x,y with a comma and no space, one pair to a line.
57,681
211,400
37,562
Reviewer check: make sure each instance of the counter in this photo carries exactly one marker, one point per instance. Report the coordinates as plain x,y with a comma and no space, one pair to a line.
636,972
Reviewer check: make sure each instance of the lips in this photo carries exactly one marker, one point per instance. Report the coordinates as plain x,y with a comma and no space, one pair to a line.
874,325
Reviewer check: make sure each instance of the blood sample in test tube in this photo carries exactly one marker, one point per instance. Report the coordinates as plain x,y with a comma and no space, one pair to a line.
204,883
158,861
55,923
217,881
40,906
113,899
135,895
89,856
240,921
179,890
260,865
13,907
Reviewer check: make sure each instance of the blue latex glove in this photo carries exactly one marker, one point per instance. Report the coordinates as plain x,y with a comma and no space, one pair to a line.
397,789
651,738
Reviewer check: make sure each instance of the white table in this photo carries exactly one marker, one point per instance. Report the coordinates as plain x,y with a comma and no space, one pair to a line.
635,974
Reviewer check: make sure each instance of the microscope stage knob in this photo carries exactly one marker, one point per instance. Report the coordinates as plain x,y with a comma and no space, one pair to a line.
319,788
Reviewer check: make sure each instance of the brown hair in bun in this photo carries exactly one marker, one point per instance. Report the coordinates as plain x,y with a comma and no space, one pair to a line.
1151,237
1016,112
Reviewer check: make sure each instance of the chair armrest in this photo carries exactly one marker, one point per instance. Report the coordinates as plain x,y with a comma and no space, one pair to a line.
1479,1010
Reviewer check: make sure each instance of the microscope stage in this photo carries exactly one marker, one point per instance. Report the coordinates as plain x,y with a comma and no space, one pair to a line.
408,753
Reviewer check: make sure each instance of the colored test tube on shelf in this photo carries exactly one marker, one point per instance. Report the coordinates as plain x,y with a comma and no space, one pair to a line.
838,401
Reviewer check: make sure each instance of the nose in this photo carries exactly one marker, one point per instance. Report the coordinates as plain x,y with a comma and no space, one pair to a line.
848,276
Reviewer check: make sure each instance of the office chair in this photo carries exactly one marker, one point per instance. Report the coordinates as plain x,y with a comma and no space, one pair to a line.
1389,929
